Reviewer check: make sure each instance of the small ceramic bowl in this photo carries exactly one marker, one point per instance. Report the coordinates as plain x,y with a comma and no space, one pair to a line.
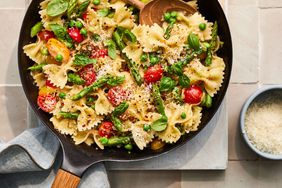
258,96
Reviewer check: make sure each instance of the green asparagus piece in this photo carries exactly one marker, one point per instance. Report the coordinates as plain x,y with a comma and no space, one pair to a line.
36,29
168,31
115,141
120,109
208,60
74,78
37,67
69,115
158,100
117,123
213,42
99,83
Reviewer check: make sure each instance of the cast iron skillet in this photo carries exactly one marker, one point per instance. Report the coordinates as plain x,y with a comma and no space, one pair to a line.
78,158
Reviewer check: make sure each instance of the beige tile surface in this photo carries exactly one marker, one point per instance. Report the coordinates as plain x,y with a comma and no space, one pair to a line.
239,174
237,95
14,4
270,3
145,179
271,46
8,45
12,112
243,24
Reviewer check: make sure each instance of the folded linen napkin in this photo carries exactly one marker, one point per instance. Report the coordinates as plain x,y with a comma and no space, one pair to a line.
30,161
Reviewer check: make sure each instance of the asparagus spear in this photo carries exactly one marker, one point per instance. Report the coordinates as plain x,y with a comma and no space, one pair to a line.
69,115
37,67
115,141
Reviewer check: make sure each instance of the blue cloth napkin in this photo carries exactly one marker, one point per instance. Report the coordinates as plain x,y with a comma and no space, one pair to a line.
33,158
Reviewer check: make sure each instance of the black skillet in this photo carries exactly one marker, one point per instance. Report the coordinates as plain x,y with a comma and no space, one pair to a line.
76,159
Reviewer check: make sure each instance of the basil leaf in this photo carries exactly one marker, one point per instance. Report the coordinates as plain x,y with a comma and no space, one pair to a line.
176,68
114,81
120,109
57,7
158,100
71,7
74,78
193,41
103,12
111,48
36,29
160,124
184,81
82,60
59,31
167,84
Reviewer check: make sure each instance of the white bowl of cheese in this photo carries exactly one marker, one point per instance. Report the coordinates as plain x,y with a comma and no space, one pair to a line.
261,122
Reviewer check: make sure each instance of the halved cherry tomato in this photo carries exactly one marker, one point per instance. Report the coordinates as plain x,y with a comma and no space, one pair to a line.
106,129
56,47
45,35
193,94
49,84
74,33
117,95
47,102
100,53
87,73
153,74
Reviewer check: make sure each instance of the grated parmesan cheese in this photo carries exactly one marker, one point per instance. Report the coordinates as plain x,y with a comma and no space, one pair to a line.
263,125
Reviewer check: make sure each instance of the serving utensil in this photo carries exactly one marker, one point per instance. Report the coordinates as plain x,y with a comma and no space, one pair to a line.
153,11
78,158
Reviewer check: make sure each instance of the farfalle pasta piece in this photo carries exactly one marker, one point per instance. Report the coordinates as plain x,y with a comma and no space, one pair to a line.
57,74
47,20
194,21
141,137
89,137
33,52
39,79
102,104
194,121
87,119
134,53
64,126
193,4
151,38
212,76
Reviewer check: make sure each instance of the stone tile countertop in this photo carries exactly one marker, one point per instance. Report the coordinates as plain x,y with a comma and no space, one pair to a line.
255,27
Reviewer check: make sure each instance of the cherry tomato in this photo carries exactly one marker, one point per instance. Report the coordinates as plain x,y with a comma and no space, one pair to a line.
153,74
49,84
74,33
45,35
87,73
106,129
193,94
117,95
84,15
47,102
56,48
100,53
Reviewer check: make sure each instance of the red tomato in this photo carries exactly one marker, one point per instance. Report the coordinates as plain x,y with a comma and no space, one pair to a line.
47,102
45,35
153,74
106,129
75,34
193,94
84,15
100,53
87,73
117,95
49,84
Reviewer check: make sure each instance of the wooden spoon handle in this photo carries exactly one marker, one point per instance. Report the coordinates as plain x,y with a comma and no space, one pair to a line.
66,180
137,3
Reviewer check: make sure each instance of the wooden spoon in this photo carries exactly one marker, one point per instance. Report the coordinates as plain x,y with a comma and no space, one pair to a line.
153,11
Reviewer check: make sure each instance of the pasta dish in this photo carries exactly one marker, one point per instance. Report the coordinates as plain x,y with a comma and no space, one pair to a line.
108,81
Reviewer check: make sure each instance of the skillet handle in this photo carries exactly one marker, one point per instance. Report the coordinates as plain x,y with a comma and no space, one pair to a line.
65,179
